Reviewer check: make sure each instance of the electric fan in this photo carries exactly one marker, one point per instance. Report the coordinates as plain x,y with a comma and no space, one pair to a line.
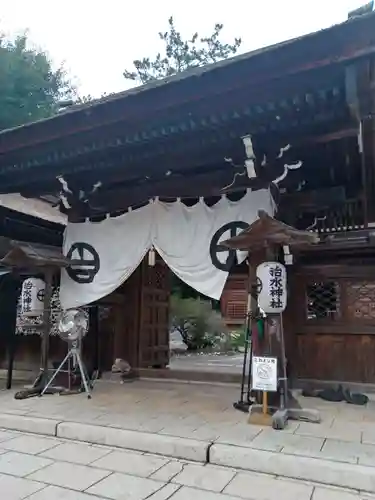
72,327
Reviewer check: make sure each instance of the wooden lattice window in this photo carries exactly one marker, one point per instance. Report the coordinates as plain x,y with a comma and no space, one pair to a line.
323,301
345,300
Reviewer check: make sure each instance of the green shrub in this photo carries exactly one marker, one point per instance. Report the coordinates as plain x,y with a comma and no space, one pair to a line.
198,324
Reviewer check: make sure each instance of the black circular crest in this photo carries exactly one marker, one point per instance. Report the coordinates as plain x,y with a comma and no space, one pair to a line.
86,263
40,295
234,228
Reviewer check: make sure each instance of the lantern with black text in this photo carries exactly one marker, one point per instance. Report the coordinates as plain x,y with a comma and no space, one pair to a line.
32,297
272,293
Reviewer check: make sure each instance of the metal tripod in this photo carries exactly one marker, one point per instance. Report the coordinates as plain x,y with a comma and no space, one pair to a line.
73,354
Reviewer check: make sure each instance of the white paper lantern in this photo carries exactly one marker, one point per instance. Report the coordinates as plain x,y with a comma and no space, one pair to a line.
272,287
32,297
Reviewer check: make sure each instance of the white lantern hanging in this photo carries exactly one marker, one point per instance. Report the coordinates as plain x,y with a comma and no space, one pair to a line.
272,293
32,297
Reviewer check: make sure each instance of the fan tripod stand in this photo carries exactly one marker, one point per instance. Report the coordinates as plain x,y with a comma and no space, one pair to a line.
73,354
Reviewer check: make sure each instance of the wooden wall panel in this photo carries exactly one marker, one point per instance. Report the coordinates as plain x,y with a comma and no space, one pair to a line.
332,337
347,358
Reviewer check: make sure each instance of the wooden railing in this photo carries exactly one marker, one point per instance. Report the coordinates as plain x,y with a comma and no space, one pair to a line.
346,217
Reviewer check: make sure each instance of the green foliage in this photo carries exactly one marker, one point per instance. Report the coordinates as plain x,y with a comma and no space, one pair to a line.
198,324
29,88
181,54
237,339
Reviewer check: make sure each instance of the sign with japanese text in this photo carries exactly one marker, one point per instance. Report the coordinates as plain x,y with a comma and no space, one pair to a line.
272,294
264,374
32,297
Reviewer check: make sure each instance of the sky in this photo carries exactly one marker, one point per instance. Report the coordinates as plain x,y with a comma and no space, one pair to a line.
97,40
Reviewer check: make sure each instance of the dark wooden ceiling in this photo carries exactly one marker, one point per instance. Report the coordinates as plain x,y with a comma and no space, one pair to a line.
170,138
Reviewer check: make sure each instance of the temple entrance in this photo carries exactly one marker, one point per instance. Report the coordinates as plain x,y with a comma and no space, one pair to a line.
133,321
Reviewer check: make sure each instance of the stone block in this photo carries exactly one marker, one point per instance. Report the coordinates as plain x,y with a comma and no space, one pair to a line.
304,468
17,488
29,444
130,463
168,471
56,493
186,493
19,464
77,453
349,452
252,486
328,494
340,431
207,477
72,476
165,493
271,440
33,425
116,485
169,446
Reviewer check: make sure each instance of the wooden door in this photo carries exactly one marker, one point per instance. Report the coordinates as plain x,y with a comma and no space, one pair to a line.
154,315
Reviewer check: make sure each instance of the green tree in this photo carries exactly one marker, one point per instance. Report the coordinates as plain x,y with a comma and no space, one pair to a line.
196,321
180,54
29,88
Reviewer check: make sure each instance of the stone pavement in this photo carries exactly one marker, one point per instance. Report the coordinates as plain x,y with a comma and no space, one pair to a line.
46,468
197,422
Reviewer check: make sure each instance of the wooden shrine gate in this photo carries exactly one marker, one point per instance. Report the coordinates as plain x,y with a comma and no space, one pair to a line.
137,329
330,322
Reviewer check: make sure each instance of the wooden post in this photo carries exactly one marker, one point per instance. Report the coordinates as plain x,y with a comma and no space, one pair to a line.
10,289
265,403
48,276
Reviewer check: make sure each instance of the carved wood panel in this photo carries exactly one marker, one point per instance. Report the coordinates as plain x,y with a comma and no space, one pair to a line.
154,315
233,301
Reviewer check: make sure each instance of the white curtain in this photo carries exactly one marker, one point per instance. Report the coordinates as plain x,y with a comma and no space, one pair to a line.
120,243
187,238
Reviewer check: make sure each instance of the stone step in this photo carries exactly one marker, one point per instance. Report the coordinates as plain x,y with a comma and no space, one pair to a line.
327,472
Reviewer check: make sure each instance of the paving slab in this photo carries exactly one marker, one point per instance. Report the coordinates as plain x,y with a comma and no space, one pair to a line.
272,440
207,477
328,494
342,431
125,487
168,471
186,493
71,476
29,444
130,463
20,464
262,487
17,488
56,493
78,453
165,493
349,452
6,435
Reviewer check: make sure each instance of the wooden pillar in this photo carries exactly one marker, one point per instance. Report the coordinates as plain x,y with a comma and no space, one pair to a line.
126,310
9,292
360,95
